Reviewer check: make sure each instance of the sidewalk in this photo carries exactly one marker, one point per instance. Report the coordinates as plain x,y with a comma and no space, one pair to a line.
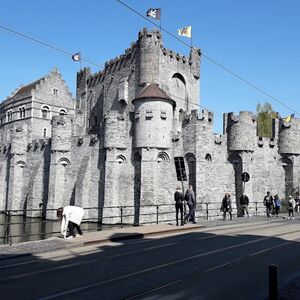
111,235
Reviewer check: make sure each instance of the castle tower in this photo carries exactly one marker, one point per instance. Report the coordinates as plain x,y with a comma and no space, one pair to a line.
81,101
153,110
241,131
289,148
17,168
241,137
149,46
60,162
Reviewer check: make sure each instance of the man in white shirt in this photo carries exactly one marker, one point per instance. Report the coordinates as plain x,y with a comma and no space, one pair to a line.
71,217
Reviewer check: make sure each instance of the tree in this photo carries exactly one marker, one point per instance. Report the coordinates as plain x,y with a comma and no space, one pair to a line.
265,116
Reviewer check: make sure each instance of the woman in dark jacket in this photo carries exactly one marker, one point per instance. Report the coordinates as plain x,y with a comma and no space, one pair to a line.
226,206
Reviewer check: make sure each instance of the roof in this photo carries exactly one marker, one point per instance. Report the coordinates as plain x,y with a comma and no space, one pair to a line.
153,91
27,88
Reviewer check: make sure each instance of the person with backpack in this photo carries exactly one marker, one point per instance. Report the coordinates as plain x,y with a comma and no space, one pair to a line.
179,199
268,203
244,201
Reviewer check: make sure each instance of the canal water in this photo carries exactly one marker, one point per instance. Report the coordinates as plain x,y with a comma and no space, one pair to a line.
17,229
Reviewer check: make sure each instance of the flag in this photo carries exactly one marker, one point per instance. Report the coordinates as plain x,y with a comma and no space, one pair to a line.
76,57
288,119
185,31
154,13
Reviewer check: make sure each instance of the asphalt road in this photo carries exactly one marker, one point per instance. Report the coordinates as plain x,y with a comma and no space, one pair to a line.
222,262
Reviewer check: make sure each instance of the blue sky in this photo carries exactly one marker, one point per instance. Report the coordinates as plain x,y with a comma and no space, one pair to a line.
259,40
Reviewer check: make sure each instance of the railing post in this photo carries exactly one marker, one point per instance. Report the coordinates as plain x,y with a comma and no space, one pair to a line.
121,208
157,208
206,211
273,282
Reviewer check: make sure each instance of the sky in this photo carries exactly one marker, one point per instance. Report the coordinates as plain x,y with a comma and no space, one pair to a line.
258,40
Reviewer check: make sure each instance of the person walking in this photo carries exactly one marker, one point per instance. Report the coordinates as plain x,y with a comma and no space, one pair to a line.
268,203
191,202
291,207
179,199
226,206
277,205
244,201
70,217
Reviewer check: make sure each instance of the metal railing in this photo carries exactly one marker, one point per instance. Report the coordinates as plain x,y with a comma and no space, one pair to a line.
32,224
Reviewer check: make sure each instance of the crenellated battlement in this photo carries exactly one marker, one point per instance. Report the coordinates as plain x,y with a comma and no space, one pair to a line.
203,115
289,136
241,131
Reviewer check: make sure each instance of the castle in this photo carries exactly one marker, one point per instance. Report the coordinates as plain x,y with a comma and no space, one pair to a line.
134,133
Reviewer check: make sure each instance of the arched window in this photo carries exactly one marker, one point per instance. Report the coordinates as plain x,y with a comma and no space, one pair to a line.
44,132
62,112
180,116
23,111
121,159
45,112
163,156
208,157
64,162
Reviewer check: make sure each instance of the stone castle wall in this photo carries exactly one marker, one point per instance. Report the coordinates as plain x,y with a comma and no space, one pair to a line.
119,149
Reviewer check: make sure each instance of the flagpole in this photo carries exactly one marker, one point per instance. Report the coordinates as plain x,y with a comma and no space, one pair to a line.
160,22
80,60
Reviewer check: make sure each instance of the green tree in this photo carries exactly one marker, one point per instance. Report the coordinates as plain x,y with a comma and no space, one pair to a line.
265,116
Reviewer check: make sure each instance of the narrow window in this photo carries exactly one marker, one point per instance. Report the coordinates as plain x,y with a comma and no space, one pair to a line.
55,92
180,169
45,132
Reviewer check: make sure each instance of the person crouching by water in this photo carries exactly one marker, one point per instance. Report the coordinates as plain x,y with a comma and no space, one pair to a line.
179,198
70,217
226,206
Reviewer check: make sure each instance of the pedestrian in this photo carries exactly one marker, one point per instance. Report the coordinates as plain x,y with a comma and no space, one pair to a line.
179,199
71,217
277,205
191,202
297,201
291,207
226,206
244,201
268,203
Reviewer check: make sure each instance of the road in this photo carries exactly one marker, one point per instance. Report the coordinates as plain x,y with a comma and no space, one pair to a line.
222,262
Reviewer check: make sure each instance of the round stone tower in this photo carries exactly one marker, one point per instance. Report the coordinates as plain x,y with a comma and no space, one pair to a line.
115,130
61,133
149,49
153,110
241,131
289,136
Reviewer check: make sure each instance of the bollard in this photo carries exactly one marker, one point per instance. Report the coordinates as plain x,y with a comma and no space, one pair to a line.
157,208
206,211
273,282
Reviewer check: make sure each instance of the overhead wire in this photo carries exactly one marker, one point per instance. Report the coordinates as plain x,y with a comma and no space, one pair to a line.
247,82
58,49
